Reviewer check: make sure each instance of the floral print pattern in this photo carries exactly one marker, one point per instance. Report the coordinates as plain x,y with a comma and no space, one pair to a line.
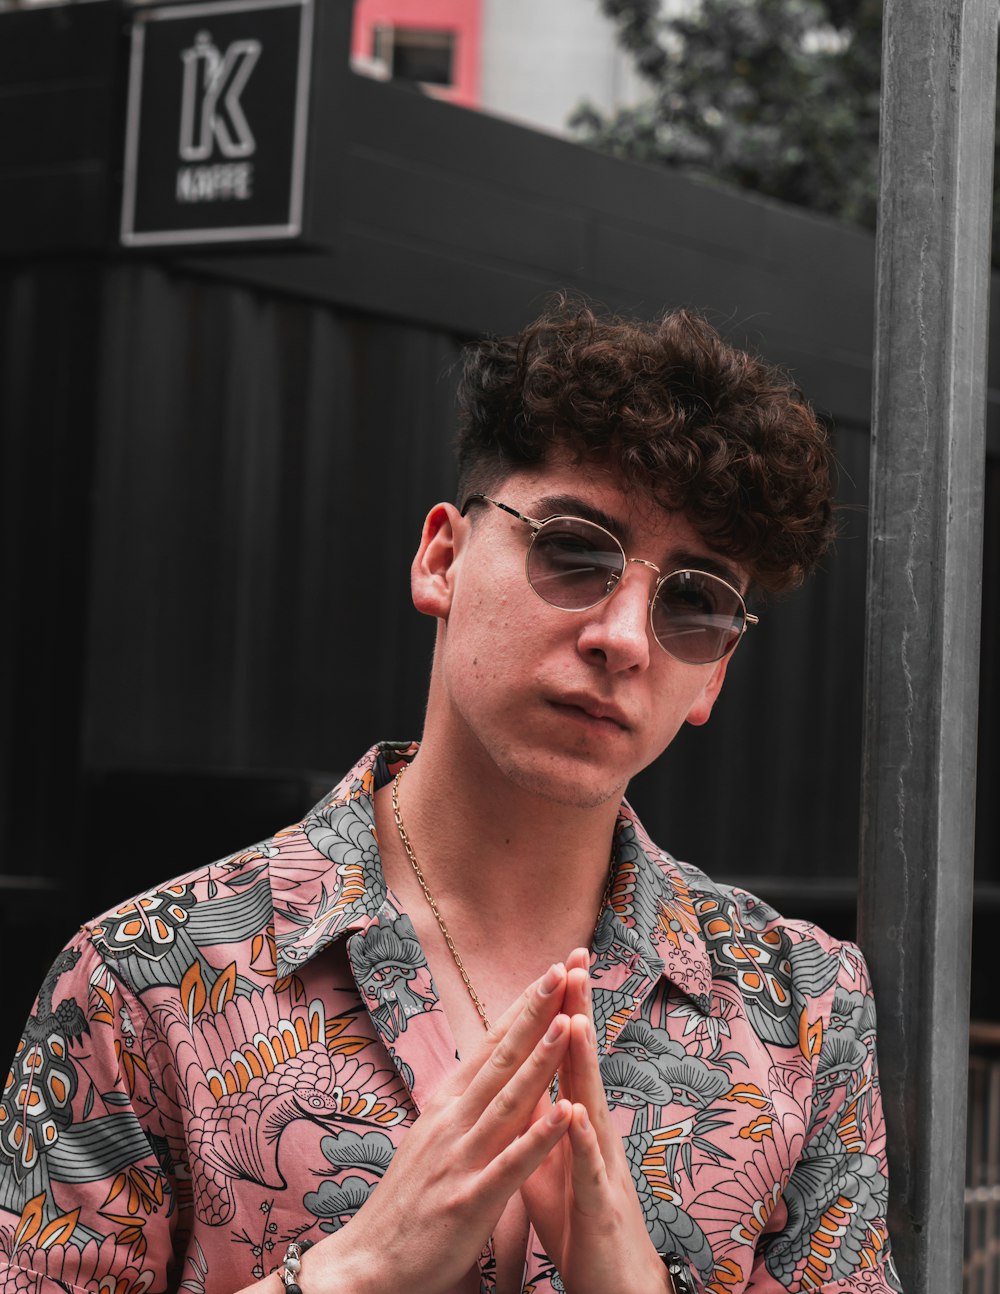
228,1063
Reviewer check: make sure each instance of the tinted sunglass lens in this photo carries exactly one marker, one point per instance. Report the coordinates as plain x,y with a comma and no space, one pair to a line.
697,617
573,564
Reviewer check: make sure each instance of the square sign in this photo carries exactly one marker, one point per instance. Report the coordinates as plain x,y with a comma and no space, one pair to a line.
216,131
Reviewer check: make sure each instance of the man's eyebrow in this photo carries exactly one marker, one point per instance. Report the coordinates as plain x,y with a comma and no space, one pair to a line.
568,505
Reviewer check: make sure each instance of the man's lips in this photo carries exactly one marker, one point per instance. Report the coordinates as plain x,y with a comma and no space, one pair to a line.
593,708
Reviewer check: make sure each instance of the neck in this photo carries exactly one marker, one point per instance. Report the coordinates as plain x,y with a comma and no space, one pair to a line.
497,853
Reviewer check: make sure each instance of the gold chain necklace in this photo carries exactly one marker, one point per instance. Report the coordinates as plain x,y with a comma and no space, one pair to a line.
476,999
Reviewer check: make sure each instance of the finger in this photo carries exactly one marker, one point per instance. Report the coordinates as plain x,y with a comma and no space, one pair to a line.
511,1168
532,1012
576,998
517,1038
516,1104
546,986
579,959
583,1071
577,974
576,1001
582,1063
588,1171
540,1000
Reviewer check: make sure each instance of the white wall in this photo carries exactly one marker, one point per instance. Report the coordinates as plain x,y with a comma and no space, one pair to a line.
540,58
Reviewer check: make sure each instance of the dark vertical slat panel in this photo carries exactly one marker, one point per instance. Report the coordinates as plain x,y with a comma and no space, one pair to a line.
255,442
50,334
318,502
833,750
284,448
414,422
59,67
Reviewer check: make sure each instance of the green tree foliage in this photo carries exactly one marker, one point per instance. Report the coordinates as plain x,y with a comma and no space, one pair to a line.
777,96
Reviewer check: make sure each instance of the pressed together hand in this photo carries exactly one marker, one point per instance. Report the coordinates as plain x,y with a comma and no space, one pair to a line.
489,1131
581,1199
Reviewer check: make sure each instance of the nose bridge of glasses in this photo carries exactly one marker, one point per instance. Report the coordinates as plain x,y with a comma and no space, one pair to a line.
615,578
641,561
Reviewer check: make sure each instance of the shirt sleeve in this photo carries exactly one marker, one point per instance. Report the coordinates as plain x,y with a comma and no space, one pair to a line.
834,1238
88,1192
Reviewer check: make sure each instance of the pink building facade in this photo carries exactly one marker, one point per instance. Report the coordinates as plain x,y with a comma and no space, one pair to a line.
433,42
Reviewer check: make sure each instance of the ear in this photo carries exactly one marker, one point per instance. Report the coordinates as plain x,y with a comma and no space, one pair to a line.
432,570
702,708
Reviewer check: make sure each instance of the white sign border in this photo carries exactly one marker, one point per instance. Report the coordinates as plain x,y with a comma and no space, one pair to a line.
245,233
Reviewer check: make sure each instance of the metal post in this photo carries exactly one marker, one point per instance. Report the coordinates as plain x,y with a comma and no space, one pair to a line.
921,677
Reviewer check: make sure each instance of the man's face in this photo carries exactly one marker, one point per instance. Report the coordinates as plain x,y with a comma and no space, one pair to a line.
567,704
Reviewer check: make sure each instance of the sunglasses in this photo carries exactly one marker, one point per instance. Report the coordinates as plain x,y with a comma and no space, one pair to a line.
574,564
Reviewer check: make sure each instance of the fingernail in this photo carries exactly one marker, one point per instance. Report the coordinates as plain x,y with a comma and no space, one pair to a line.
550,979
584,1121
557,1114
555,1029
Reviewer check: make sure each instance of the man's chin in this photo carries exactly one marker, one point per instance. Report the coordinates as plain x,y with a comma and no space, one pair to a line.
564,781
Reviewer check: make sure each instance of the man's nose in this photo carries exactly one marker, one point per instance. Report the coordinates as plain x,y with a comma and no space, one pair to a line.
618,627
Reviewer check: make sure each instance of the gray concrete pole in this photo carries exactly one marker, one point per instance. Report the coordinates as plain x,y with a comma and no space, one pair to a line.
924,591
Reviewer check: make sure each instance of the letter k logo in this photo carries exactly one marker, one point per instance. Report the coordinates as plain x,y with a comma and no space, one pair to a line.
210,106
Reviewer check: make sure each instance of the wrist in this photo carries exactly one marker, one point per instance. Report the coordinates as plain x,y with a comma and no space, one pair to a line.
335,1265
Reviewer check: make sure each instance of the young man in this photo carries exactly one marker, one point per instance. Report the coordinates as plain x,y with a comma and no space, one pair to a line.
465,1027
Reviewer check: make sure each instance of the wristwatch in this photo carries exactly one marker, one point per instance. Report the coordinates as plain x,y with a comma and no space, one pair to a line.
678,1276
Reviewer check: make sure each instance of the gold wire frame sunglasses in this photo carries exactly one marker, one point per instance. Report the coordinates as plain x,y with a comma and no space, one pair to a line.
574,564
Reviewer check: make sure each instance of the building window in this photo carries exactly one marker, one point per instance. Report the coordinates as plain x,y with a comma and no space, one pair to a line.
415,54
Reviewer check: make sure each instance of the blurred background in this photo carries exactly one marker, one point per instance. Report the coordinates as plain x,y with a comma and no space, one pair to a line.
241,246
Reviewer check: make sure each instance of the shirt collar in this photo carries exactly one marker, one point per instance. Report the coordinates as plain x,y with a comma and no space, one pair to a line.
327,880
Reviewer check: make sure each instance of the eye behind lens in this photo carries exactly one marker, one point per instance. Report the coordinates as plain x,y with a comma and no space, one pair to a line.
573,564
697,617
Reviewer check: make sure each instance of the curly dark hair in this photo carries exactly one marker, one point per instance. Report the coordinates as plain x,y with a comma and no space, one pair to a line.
696,425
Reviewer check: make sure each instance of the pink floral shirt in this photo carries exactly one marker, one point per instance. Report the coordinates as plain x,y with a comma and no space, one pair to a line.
228,1062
